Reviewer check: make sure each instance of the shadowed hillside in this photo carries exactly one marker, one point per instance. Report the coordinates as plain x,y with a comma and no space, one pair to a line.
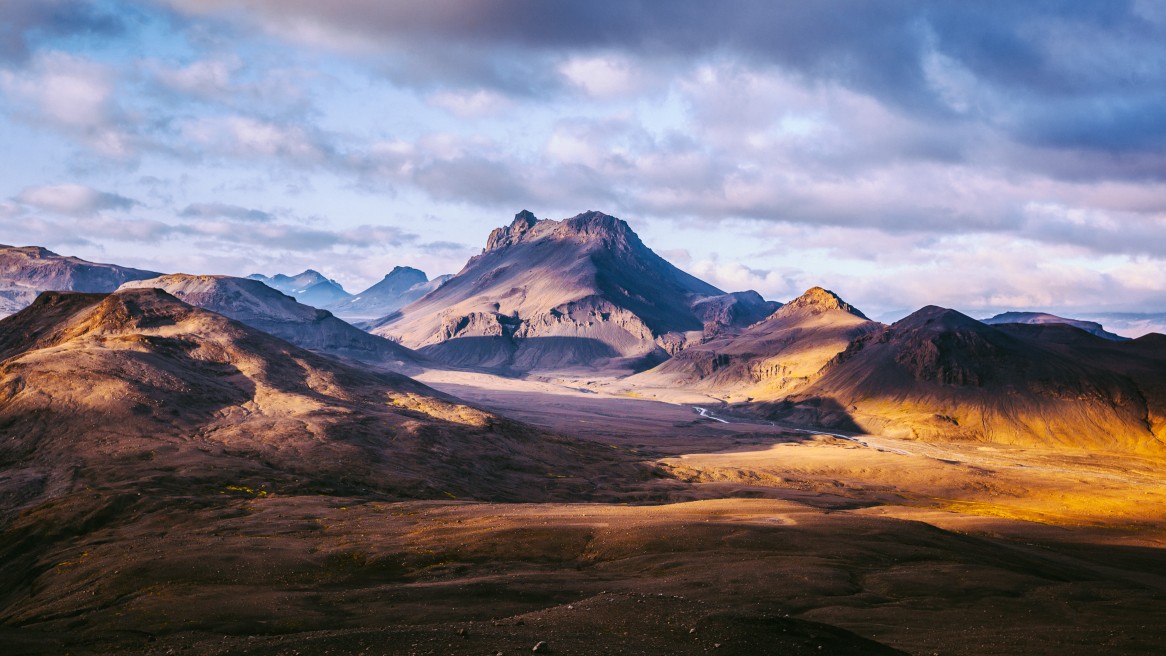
259,306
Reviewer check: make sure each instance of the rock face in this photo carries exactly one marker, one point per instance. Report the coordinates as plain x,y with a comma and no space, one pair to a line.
398,288
309,287
27,271
259,306
583,292
1091,327
769,359
938,374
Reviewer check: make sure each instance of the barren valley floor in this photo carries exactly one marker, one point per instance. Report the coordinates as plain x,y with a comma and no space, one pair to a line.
739,538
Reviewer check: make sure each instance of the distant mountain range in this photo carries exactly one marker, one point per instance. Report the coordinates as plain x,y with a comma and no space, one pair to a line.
585,296
1091,327
309,287
398,288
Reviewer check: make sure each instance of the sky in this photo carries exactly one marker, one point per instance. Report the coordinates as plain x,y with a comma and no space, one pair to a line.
983,156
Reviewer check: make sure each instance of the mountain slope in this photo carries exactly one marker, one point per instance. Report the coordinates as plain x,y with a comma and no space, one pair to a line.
136,391
1091,327
259,306
398,288
938,374
581,292
309,287
27,271
769,359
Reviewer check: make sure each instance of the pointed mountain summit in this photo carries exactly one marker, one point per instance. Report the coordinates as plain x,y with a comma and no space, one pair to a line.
1043,318
309,287
398,288
940,374
27,271
583,292
259,306
769,359
817,300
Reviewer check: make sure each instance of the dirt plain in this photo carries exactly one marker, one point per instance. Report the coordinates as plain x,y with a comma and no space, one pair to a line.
747,538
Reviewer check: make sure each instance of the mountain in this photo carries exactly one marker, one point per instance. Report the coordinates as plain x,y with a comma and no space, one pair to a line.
938,374
1091,327
309,287
769,359
398,288
733,310
137,393
259,306
583,292
27,271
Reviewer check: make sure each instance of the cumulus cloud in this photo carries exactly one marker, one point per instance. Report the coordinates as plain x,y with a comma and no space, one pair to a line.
73,199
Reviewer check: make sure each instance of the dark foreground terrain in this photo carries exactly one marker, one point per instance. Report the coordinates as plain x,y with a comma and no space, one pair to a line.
316,508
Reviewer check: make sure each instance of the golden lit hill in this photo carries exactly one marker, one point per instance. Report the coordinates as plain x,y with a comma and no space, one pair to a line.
938,374
769,359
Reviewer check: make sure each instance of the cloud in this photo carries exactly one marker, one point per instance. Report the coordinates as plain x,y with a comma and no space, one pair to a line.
471,104
225,211
74,199
247,137
208,78
27,21
74,95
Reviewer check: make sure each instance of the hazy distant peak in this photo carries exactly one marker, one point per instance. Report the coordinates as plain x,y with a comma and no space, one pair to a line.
818,299
939,318
407,271
1044,318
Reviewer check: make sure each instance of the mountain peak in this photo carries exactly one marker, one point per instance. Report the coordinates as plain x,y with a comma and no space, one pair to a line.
818,299
406,271
589,226
31,251
524,220
502,237
937,318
